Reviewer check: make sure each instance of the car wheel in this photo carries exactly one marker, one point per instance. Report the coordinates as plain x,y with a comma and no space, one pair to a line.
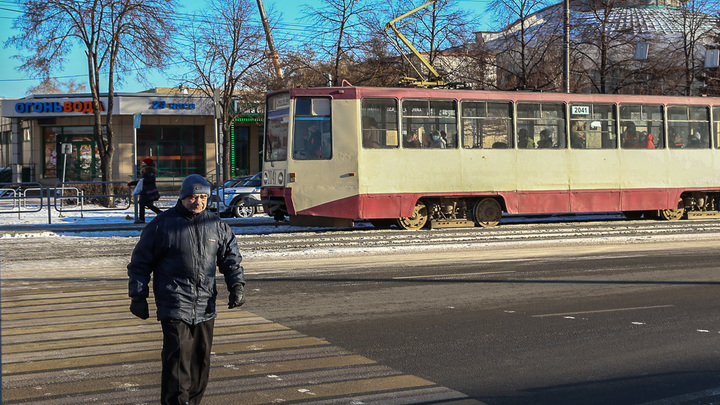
240,210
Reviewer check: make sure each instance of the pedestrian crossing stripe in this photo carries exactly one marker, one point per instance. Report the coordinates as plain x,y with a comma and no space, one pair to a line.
87,347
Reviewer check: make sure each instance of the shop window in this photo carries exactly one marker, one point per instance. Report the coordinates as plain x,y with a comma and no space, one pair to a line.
177,150
82,163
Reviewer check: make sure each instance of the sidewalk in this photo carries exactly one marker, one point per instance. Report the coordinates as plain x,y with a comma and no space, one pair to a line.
95,221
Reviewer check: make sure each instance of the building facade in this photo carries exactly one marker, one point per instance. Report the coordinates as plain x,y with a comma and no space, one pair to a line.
51,138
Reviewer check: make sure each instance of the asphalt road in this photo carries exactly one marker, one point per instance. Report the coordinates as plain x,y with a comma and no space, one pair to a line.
583,324
623,318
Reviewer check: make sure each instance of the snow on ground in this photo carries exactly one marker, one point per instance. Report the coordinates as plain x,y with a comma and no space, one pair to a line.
119,222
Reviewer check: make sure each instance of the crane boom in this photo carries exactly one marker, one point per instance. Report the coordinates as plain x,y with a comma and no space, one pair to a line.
271,44
422,82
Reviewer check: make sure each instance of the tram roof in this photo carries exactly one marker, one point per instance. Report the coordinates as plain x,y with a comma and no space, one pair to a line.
465,94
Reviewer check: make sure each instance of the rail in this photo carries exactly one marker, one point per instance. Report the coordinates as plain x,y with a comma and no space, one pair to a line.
69,199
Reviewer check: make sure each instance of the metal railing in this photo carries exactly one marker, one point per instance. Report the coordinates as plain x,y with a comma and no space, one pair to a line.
76,198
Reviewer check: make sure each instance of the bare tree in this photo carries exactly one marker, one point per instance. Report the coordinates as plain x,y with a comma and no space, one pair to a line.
118,37
696,22
226,54
527,52
443,34
604,46
339,23
51,85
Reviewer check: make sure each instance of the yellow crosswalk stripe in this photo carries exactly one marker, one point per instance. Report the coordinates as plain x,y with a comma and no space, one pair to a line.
80,345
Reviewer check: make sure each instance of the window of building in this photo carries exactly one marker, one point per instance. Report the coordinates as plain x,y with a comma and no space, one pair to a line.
486,124
379,120
5,138
239,150
312,138
433,121
534,118
178,151
641,126
592,126
688,127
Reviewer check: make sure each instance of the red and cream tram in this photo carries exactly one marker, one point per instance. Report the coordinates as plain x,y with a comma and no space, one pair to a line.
430,158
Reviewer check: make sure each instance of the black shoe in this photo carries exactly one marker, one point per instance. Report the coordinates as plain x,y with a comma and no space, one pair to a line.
140,222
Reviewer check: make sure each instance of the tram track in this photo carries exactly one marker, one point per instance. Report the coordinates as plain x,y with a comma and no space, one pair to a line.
368,239
373,238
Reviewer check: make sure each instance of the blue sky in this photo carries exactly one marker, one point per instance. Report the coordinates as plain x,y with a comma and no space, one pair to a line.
14,84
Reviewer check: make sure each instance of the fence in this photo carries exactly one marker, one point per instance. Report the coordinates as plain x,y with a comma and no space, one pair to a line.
78,198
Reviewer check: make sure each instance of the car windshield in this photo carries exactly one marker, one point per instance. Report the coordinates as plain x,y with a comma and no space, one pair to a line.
235,182
253,181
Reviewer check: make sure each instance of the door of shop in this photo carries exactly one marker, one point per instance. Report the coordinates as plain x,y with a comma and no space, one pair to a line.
80,165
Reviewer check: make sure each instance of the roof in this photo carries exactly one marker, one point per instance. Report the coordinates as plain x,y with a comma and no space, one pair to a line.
640,19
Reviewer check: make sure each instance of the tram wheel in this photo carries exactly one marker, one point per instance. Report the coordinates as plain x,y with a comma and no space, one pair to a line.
675,214
417,220
487,212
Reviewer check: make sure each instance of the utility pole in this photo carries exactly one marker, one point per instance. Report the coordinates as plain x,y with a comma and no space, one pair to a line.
566,45
271,44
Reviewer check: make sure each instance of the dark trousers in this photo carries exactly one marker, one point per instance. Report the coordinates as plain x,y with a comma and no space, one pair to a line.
185,361
148,204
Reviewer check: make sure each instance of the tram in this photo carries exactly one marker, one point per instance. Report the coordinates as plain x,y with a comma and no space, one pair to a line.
414,157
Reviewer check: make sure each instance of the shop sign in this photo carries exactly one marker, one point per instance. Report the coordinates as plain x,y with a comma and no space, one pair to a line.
55,107
161,104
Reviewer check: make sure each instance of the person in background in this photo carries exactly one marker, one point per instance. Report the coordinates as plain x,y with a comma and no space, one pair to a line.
411,140
311,142
675,140
525,141
545,141
182,248
695,141
436,141
649,142
147,190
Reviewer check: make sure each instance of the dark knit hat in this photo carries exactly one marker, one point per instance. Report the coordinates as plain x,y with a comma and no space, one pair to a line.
194,184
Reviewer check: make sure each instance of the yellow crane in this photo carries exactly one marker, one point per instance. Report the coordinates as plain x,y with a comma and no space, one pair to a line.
411,81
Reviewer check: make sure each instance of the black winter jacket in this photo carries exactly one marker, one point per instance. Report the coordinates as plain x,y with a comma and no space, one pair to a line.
182,250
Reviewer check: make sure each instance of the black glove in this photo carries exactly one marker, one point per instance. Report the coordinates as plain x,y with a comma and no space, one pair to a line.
139,307
237,296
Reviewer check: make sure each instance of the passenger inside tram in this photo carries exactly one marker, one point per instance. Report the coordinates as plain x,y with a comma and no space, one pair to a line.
411,140
525,141
545,141
436,141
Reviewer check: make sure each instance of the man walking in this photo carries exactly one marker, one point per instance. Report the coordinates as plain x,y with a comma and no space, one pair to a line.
182,247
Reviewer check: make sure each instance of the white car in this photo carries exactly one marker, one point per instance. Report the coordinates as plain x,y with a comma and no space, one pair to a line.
239,196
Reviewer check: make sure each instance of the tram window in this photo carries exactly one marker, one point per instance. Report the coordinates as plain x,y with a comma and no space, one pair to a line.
592,126
641,126
486,125
434,122
689,127
312,138
541,125
379,123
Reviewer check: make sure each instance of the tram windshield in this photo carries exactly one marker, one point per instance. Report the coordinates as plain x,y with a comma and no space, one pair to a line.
276,129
